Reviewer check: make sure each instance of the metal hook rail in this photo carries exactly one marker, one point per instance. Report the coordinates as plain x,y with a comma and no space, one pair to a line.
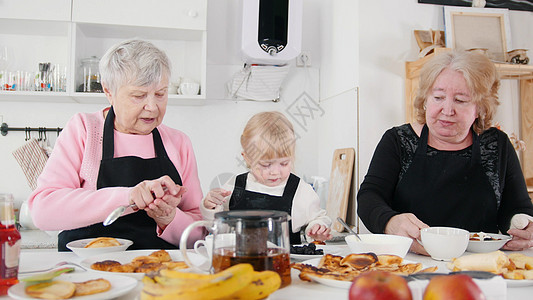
4,129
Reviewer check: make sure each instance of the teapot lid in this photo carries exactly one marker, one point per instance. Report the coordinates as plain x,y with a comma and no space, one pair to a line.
252,215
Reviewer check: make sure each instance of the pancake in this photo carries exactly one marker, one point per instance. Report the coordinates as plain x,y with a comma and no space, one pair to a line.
103,242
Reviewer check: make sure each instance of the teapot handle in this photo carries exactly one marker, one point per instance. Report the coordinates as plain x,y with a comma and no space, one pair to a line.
183,245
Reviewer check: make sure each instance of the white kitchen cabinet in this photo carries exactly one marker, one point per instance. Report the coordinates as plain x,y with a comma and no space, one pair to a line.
176,26
50,10
184,14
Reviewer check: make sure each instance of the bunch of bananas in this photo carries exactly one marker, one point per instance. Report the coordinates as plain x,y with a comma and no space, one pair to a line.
237,282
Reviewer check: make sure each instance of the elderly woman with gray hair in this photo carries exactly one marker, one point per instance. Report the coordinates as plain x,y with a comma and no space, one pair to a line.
122,155
450,167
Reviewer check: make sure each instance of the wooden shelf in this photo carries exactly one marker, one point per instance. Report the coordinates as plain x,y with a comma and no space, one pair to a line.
522,73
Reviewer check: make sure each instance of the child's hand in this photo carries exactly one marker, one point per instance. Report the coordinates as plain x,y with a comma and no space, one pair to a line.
320,232
215,197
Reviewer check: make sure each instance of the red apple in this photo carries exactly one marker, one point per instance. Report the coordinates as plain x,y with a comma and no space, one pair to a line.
379,285
456,287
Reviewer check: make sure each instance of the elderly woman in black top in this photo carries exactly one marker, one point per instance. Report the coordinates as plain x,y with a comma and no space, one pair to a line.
450,168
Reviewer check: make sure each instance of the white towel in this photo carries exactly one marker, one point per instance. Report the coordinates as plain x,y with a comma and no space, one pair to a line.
32,159
257,82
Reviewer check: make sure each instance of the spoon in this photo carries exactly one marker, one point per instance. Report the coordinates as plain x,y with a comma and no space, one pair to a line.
43,277
348,228
116,213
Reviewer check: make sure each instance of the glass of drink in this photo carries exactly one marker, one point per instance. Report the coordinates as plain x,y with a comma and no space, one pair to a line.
9,244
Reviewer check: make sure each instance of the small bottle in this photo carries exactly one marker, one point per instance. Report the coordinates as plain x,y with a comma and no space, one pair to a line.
9,244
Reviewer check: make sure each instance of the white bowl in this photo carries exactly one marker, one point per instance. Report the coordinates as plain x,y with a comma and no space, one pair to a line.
379,244
488,246
78,247
444,243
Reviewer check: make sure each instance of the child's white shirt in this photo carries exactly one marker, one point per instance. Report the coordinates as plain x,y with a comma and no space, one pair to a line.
305,205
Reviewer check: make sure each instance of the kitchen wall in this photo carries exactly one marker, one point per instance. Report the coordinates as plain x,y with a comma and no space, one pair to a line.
358,51
215,127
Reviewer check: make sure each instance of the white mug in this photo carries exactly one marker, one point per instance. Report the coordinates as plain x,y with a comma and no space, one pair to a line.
444,243
25,217
189,88
173,88
202,247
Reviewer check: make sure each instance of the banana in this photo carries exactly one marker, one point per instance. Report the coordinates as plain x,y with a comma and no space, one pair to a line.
263,284
215,286
183,275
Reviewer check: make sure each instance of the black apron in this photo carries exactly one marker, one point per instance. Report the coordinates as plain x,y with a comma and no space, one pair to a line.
127,171
448,190
242,199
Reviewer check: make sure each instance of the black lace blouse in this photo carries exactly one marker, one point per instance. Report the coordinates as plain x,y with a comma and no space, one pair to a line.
394,155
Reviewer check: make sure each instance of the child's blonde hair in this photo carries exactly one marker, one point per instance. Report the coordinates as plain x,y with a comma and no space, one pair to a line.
268,135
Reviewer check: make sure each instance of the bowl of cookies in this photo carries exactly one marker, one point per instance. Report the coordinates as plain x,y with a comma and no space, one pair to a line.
93,246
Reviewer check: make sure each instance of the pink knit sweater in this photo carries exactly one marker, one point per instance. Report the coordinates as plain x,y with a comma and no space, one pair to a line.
66,196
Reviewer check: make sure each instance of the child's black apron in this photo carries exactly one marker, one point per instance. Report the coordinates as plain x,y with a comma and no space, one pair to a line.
242,199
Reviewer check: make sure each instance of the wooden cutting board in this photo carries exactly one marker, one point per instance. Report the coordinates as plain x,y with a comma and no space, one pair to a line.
339,185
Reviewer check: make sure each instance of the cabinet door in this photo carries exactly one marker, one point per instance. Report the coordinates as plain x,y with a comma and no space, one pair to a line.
183,14
50,10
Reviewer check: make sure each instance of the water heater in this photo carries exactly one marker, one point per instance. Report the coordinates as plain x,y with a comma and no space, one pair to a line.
271,31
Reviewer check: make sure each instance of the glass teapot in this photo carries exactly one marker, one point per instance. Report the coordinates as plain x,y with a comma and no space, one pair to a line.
257,237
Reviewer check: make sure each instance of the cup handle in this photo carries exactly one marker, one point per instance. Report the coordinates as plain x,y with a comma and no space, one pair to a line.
198,244
183,244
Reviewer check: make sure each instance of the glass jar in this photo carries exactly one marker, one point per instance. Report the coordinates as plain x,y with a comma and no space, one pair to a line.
9,244
90,75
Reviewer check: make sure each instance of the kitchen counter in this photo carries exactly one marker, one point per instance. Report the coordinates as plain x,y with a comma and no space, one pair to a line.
37,239
32,259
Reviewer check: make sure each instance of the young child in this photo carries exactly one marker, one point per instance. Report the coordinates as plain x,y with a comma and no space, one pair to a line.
268,143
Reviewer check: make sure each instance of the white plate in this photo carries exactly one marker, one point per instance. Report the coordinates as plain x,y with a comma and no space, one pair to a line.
328,249
518,283
487,246
326,281
120,285
337,283
127,256
78,247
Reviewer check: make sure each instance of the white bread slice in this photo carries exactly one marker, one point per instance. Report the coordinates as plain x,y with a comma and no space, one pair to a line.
521,261
90,287
493,262
57,289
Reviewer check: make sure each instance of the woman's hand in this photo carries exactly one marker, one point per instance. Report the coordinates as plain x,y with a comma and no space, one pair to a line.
408,225
320,233
145,192
522,238
215,197
159,198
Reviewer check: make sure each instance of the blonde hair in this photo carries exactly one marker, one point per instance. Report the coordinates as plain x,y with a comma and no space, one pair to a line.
481,78
268,135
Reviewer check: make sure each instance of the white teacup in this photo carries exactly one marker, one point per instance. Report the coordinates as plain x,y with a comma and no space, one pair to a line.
444,243
223,240
173,88
25,219
189,88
